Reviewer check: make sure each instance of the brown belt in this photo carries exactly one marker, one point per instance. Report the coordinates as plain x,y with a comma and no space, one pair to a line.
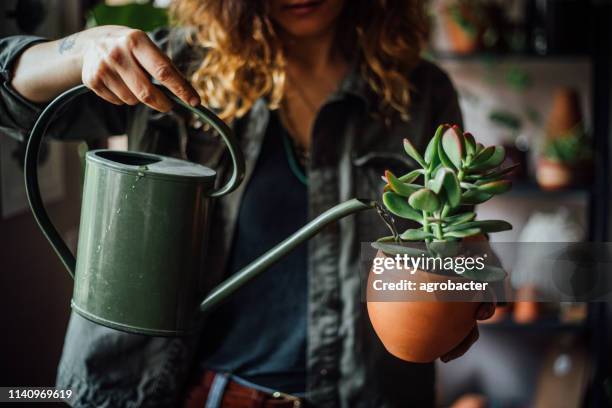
236,395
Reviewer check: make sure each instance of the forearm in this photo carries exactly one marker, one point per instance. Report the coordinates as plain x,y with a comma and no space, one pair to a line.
45,70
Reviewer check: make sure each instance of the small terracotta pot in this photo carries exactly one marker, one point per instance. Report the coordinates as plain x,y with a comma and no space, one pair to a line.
526,310
419,331
553,175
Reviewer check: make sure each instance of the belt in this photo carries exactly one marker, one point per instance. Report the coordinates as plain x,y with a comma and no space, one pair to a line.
220,390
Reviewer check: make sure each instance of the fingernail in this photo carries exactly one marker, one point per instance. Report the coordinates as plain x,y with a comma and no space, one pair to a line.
194,101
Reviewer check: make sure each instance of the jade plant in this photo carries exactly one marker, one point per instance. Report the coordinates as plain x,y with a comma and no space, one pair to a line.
454,174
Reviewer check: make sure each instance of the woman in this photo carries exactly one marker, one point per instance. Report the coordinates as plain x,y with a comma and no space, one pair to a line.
320,94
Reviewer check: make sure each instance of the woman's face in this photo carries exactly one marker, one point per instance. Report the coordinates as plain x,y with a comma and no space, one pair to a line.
305,18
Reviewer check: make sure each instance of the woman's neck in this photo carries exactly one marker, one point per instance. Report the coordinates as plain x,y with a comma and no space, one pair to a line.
315,54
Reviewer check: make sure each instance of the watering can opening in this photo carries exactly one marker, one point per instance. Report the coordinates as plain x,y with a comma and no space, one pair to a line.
128,158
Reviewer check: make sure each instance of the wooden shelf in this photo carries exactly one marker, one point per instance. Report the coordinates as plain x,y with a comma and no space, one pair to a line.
530,189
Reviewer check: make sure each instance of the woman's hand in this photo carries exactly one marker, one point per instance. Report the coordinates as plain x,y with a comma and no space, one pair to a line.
484,312
116,62
119,64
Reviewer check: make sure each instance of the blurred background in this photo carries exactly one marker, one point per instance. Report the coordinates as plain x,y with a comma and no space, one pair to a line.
534,75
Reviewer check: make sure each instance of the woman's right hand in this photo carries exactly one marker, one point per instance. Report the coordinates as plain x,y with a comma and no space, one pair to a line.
116,62
119,62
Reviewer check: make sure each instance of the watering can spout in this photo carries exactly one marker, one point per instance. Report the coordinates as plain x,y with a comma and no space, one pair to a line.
229,286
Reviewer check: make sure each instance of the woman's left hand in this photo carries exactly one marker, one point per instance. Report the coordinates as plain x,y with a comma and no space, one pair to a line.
484,311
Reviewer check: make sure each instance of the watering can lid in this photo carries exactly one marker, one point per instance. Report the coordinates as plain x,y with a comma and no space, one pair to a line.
150,165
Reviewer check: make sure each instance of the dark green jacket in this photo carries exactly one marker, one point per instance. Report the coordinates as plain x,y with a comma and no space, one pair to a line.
347,365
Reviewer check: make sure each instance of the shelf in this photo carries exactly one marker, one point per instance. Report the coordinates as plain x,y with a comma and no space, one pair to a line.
526,188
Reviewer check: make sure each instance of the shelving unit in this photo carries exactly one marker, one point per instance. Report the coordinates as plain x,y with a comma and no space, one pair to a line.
596,196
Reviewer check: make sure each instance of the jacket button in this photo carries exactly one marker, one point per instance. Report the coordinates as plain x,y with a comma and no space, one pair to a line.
323,372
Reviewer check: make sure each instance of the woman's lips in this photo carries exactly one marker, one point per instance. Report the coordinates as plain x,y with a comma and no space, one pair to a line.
301,8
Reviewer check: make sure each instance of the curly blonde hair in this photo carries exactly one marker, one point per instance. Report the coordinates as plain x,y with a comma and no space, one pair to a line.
244,58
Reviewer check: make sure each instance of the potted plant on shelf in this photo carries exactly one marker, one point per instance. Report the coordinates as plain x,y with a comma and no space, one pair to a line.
565,160
454,173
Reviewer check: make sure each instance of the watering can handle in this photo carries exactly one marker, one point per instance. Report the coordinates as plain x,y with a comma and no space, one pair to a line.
33,148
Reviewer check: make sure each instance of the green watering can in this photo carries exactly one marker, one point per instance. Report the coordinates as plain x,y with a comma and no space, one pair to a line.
142,233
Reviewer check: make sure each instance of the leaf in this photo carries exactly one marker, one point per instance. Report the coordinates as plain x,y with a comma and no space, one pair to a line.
452,188
415,235
425,200
484,226
475,197
489,273
398,205
436,183
463,233
483,156
431,153
444,248
388,238
497,158
470,143
500,172
444,160
496,187
412,152
452,143
396,248
403,189
413,175
460,218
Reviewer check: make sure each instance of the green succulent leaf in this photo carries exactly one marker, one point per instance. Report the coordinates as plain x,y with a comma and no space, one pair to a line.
431,153
388,238
403,189
463,233
425,200
484,226
470,143
395,249
497,158
475,197
499,172
489,273
444,248
483,156
495,187
415,235
399,206
412,176
460,218
412,152
452,143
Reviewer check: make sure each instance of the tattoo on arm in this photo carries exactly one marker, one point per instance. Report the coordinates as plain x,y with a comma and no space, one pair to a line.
67,43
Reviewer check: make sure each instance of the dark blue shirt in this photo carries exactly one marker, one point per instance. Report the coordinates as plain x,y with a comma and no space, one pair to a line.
260,332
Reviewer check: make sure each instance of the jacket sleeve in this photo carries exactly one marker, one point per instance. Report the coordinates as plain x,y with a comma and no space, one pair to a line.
87,117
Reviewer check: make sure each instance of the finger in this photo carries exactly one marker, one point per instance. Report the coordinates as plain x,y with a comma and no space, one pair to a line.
115,84
161,68
103,92
462,347
138,83
485,311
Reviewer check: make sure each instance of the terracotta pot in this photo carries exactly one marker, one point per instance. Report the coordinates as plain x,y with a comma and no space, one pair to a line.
565,112
419,331
553,175
460,40
526,310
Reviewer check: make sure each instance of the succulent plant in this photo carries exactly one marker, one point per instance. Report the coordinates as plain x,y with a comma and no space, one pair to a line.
570,148
455,172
